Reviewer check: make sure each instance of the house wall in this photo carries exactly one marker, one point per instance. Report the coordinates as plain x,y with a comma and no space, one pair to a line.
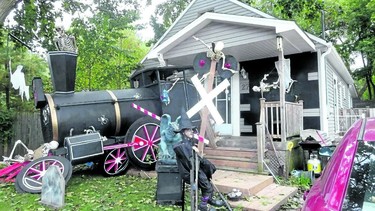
303,69
201,6
338,96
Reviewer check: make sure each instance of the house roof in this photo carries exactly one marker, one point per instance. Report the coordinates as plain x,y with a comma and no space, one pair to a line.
236,2
295,40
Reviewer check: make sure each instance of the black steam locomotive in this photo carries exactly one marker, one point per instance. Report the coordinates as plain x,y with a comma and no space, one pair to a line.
105,126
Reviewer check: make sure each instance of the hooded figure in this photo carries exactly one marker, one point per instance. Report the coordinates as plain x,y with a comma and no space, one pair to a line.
185,152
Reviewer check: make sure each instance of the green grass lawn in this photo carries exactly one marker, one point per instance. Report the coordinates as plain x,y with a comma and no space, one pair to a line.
88,190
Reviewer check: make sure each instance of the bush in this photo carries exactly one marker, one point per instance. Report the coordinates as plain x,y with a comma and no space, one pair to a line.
6,122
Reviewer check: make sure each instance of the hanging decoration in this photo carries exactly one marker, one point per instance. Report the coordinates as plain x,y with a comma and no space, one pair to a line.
165,94
18,82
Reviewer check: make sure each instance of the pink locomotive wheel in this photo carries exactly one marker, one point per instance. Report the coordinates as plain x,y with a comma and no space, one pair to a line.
30,177
115,162
144,135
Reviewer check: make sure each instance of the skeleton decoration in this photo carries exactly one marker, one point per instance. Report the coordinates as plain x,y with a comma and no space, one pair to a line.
227,65
265,87
64,42
288,81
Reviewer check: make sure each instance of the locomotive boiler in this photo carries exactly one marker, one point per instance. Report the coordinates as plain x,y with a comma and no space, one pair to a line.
97,125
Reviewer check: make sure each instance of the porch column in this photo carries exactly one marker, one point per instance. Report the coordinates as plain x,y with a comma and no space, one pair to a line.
280,48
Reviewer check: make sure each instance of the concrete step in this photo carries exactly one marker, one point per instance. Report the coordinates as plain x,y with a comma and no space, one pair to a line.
248,184
259,191
270,198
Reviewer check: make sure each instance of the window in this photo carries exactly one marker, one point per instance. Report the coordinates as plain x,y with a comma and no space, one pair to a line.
361,190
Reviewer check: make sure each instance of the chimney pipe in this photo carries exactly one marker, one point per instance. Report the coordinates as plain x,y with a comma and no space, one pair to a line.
62,65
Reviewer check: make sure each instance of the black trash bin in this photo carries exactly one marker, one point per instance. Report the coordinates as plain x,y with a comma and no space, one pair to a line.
169,185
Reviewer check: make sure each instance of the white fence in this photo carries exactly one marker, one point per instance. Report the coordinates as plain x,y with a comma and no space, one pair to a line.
348,116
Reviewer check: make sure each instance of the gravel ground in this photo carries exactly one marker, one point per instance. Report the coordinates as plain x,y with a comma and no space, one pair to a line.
295,202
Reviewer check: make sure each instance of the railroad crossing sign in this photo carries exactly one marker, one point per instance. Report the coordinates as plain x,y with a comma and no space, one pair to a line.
207,99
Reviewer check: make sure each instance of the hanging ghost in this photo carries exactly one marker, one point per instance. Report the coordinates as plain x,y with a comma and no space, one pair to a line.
18,82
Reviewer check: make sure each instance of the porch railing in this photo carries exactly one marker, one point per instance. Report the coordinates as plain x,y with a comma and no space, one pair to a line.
270,119
294,118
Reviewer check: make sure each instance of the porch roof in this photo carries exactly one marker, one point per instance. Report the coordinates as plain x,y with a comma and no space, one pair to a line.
294,39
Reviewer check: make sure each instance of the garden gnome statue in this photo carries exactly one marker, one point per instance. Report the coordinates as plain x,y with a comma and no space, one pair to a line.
64,42
53,188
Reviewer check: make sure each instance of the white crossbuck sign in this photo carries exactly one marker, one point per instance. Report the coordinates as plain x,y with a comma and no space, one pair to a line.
207,99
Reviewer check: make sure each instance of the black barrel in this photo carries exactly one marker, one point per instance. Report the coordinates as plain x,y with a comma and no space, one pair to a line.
109,112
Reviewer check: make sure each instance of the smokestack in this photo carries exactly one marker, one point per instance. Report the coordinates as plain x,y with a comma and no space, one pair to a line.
62,65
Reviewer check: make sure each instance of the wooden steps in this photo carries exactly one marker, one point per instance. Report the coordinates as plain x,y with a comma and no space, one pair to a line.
236,159
237,169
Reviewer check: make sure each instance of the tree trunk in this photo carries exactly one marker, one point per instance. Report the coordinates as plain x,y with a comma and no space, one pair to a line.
369,87
6,7
362,90
370,76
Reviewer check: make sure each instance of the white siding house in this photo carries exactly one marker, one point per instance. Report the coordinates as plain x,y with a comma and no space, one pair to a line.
250,36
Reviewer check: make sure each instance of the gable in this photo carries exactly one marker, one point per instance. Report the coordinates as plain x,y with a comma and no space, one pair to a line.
199,7
249,35
245,35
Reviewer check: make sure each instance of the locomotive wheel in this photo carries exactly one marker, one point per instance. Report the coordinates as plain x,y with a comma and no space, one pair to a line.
145,134
30,177
114,162
18,188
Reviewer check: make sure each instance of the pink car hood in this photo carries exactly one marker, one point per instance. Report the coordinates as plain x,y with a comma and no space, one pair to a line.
328,191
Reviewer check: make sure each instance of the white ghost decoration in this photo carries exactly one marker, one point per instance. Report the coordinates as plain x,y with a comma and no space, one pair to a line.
18,81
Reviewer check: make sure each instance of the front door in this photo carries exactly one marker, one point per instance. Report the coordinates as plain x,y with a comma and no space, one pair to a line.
223,105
